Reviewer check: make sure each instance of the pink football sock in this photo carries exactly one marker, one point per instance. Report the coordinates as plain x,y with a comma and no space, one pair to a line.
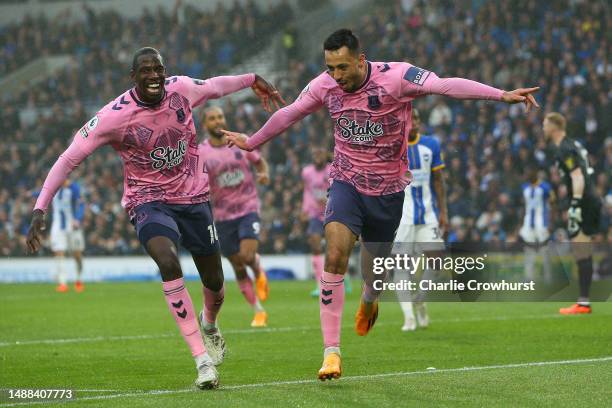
179,303
331,306
317,266
212,304
246,287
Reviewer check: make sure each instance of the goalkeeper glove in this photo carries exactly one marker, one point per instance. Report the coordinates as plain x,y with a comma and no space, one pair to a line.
574,217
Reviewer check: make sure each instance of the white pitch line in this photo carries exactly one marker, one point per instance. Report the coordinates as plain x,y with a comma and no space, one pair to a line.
83,339
144,336
443,370
346,378
75,390
250,331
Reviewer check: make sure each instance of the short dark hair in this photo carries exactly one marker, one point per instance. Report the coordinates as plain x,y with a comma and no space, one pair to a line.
532,173
342,38
141,52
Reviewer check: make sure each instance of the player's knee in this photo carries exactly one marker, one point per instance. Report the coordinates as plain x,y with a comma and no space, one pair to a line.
315,246
214,280
169,267
336,261
248,257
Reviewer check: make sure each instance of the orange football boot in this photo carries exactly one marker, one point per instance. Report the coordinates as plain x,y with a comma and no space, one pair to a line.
575,309
366,317
62,288
260,319
261,286
79,286
332,367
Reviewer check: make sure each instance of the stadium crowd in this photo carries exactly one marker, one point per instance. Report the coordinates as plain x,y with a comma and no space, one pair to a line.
561,47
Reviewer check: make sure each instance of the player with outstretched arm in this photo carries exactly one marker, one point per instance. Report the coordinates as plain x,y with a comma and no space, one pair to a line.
165,188
370,103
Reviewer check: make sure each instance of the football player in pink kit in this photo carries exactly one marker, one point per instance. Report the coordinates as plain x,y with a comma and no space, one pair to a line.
236,207
370,103
165,188
315,177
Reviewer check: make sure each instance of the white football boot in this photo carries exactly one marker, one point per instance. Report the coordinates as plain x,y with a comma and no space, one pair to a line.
421,314
409,324
208,377
214,342
409,320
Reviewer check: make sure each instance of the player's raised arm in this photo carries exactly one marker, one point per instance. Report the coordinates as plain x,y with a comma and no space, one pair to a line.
418,81
308,102
91,136
199,91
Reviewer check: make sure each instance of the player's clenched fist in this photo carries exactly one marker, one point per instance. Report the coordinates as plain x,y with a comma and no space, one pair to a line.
263,178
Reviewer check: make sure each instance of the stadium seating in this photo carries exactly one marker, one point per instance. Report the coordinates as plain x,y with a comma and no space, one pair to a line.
484,143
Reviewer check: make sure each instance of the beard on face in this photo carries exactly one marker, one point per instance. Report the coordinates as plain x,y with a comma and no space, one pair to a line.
215,132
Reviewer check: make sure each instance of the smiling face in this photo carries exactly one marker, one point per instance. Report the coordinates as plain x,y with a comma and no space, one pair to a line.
214,121
149,75
348,70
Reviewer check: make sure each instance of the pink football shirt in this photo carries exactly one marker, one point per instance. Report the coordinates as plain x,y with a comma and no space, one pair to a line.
316,183
232,185
157,143
371,123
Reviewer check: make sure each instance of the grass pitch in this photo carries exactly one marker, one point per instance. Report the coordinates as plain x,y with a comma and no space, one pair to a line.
116,345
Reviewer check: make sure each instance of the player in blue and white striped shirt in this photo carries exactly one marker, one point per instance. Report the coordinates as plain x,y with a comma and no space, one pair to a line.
425,215
66,233
537,196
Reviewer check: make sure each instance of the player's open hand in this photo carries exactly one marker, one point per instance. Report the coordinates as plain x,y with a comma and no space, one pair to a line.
263,178
521,95
267,94
35,233
236,139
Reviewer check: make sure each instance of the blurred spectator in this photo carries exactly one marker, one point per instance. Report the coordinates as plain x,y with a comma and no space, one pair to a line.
562,47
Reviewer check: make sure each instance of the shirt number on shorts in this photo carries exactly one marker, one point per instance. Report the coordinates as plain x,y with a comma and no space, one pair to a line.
212,231
436,232
256,227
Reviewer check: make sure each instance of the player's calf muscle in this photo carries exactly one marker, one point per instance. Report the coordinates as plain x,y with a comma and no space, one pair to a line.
240,271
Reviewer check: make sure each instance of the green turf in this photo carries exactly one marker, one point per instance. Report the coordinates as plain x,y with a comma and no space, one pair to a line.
461,335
